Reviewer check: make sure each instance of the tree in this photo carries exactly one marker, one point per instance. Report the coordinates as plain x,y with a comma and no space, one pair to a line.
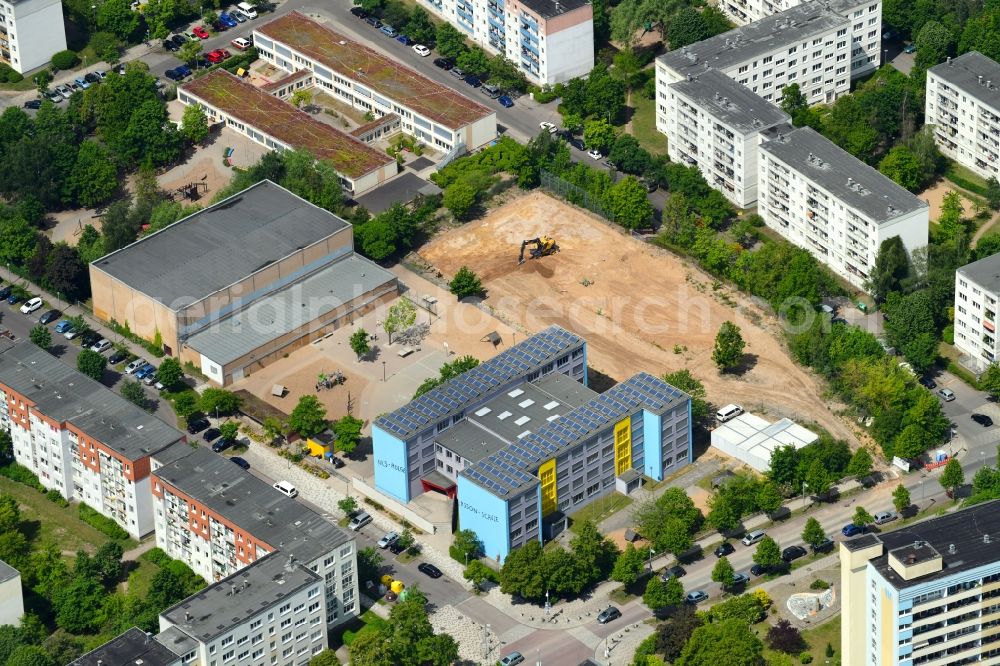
348,505
420,28
901,497
892,265
117,17
862,518
91,364
768,553
185,404
599,134
785,638
66,274
729,642
359,343
817,479
729,345
687,27
769,497
118,227
347,430
933,42
309,416
474,61
952,477
793,100
669,520
94,177
861,463
229,430
399,317
659,594
132,391
950,218
477,573
722,572
901,165
194,123
465,544
522,572
41,336
30,655
406,539
506,75
170,372
990,381
722,515
189,53
673,634
325,658
466,283
450,42
993,193
369,563
459,198
629,156
219,401
685,381
108,562
628,203
813,533
628,565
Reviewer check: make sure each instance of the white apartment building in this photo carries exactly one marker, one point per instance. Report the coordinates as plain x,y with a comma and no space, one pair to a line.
715,123
219,520
11,595
742,12
810,44
923,595
30,32
962,101
80,438
134,648
270,612
373,82
825,200
977,290
551,41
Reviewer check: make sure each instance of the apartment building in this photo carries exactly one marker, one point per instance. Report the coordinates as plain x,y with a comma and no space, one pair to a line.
80,438
962,102
811,44
977,289
742,12
220,520
923,595
373,82
31,31
271,612
550,41
715,124
825,200
11,595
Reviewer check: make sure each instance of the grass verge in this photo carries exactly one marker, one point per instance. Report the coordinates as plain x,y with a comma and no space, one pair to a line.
369,622
644,125
599,509
55,524
817,638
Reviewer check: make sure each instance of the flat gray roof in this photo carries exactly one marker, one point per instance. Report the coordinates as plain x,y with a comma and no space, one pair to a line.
253,505
176,641
985,272
512,415
964,73
133,647
7,572
754,40
238,598
67,396
551,8
841,174
514,468
311,298
221,245
730,102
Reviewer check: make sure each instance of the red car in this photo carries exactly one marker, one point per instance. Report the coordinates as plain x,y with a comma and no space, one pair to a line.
217,56
200,32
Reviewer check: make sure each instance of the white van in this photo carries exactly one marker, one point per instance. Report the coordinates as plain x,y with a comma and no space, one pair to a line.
753,537
247,10
286,488
728,412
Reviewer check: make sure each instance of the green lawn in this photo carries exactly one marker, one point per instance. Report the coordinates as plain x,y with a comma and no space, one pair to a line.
599,509
644,125
817,639
960,173
370,622
53,523
141,577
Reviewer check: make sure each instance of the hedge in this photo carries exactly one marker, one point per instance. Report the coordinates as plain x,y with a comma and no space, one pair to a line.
964,183
102,523
18,472
65,59
156,556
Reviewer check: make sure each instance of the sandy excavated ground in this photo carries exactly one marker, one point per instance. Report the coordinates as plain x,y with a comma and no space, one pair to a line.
641,303
934,196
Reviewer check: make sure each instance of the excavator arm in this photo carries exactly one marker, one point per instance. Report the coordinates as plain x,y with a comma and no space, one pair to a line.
543,246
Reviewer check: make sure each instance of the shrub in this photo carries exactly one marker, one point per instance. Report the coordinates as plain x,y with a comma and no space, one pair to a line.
819,584
54,496
805,658
18,472
101,523
65,59
156,556
785,638
9,75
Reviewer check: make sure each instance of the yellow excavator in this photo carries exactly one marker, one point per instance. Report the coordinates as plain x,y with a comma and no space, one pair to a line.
543,246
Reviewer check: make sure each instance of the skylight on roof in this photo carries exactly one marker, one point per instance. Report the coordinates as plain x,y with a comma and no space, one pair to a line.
483,411
516,392
551,405
502,415
552,418
524,434
522,420
526,403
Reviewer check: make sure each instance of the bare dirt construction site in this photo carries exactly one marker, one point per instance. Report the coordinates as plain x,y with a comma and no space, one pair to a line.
640,308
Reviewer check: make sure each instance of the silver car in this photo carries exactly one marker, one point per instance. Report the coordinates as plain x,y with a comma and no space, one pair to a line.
101,346
134,365
64,91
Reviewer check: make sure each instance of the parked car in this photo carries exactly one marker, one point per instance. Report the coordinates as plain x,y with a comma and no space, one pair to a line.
548,127
179,39
421,50
82,82
210,434
758,570
241,462
724,548
92,77
675,571
170,45
285,488
981,419
387,540
117,357
145,371
71,333
373,22
577,143
359,12
404,40
505,101
200,32
883,517
134,365
822,546
76,87
473,80
238,17
512,659
53,96
457,72
173,75
88,338
595,155
946,394
444,63
608,614
64,91
63,326
388,30
49,316
696,597
150,379
241,43
13,298
228,20
33,104
101,346
910,48
221,444
197,425
754,537
429,569
740,579
851,529
359,521
216,56
31,305
101,74
793,553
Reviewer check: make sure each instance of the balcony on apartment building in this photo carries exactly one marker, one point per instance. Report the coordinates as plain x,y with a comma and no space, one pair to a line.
722,131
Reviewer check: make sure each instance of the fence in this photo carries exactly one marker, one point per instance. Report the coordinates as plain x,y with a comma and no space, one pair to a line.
573,194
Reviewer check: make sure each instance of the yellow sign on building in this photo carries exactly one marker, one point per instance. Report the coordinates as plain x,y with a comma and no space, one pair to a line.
547,475
623,446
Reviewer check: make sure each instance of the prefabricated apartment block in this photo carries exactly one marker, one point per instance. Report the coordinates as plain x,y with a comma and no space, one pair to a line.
962,102
977,292
521,441
241,283
715,123
827,201
742,12
551,41
278,125
373,82
80,438
31,32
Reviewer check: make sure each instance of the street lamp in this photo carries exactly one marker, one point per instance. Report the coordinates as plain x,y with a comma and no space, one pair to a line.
804,486
466,559
548,606
651,553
